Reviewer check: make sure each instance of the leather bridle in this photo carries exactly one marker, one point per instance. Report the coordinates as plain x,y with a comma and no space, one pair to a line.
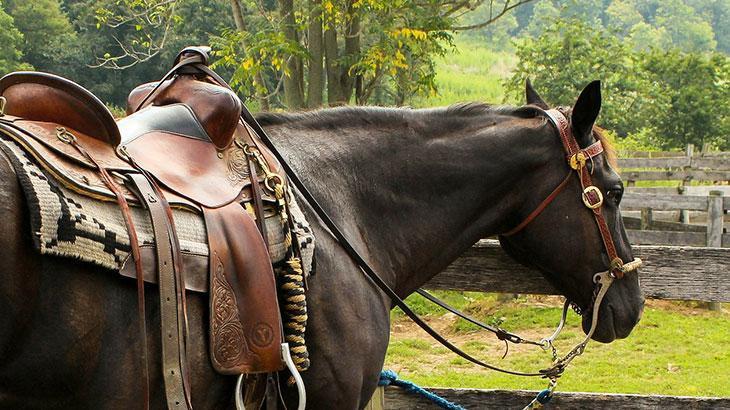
592,198
591,195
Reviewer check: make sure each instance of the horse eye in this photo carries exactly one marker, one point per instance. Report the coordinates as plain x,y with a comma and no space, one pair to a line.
615,194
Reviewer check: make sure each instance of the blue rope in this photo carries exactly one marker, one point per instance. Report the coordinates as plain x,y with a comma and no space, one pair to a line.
390,378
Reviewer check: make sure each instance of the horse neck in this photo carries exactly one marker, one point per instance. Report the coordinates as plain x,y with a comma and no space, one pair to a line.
416,189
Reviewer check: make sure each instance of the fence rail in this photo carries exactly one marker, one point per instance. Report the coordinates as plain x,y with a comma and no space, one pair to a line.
395,398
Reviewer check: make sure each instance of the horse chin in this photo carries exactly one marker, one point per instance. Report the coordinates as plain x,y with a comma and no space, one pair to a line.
611,326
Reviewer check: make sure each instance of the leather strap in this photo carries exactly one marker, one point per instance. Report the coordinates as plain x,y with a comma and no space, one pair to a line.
170,319
135,250
571,147
540,207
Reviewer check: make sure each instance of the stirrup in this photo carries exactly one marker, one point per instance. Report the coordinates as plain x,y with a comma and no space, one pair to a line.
286,355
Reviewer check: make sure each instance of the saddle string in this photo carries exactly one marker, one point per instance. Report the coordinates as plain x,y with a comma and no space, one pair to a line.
67,137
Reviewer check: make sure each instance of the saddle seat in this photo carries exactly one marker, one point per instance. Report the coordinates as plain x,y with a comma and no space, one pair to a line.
167,137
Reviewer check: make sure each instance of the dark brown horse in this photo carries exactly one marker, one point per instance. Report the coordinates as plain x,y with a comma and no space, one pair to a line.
412,189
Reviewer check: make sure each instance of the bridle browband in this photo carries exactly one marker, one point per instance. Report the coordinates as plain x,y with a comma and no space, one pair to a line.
591,197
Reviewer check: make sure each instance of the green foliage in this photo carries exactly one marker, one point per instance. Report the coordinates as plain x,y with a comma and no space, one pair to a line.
670,98
570,54
697,88
11,41
49,40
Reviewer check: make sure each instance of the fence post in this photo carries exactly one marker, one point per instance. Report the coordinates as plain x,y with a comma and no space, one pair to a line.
683,213
714,228
646,219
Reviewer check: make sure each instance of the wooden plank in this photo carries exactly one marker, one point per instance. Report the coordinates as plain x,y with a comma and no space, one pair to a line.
714,219
663,190
655,154
663,202
673,238
704,190
634,223
680,175
669,272
677,162
713,163
397,398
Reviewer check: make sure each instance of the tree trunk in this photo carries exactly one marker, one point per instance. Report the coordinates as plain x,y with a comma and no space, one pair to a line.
315,86
294,78
258,78
352,53
334,88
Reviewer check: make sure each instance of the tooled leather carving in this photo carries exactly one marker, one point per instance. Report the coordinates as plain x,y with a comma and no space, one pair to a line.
228,338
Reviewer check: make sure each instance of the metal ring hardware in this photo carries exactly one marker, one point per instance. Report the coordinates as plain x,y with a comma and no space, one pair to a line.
64,135
590,193
577,160
3,103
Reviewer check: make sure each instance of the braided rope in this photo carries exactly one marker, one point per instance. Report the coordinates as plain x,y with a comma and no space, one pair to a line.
390,378
293,305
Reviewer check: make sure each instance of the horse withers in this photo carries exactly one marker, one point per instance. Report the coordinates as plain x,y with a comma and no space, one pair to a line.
411,189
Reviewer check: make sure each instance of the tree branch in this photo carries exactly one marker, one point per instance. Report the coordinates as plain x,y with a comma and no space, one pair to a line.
492,18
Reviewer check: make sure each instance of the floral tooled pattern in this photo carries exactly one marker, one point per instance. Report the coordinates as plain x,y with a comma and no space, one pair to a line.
228,336
237,165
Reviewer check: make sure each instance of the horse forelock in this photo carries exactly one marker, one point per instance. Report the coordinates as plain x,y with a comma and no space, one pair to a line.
608,147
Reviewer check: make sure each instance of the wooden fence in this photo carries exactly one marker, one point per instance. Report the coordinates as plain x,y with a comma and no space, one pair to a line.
669,272
671,166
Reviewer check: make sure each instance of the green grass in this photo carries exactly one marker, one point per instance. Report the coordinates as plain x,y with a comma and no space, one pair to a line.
471,73
675,350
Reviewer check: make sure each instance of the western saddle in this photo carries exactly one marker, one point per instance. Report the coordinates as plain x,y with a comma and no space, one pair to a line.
184,143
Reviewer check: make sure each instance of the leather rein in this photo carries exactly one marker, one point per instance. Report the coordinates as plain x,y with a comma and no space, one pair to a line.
592,198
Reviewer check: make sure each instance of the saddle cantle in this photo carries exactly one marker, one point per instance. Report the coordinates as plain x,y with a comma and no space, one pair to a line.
183,144
49,98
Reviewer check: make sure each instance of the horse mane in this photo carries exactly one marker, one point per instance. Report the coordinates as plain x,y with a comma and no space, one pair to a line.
370,115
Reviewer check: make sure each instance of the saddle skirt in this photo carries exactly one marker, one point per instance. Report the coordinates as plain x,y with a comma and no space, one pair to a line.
186,137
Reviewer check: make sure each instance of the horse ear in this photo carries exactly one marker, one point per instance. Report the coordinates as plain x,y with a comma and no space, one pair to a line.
585,112
533,98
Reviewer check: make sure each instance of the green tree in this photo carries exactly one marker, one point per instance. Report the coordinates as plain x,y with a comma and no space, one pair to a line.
697,87
689,31
11,40
570,54
289,53
49,40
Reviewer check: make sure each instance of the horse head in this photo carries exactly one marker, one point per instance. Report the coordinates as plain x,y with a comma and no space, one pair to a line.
564,239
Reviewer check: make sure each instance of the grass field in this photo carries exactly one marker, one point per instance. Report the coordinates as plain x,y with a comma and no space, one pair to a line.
678,348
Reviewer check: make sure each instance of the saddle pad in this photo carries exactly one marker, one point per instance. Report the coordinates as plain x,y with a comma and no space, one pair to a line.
67,224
